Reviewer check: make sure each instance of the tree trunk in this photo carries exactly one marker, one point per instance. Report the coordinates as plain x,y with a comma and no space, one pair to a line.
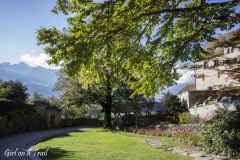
108,107
107,117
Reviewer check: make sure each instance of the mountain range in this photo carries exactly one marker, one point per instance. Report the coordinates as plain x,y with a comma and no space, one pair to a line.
42,80
37,79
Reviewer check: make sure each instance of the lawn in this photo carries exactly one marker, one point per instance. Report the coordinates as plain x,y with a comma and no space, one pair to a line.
100,144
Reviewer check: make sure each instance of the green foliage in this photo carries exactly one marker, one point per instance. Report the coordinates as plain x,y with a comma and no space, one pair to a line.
196,139
13,90
3,92
37,97
187,118
190,137
53,101
72,112
140,39
73,94
173,105
89,111
222,133
7,106
94,112
76,99
135,42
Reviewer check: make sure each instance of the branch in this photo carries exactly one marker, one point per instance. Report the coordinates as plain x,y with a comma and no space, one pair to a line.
185,10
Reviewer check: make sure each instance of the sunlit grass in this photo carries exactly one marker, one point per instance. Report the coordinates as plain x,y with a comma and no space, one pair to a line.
100,144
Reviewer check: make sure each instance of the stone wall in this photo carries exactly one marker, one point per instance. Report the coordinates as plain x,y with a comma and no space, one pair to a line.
200,96
19,118
45,110
207,111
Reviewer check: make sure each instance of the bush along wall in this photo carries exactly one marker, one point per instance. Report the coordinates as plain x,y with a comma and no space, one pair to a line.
222,133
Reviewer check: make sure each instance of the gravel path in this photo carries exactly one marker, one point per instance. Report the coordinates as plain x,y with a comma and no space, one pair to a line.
18,147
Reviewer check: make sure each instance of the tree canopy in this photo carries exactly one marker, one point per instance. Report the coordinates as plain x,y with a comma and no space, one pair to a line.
137,42
136,38
173,105
13,90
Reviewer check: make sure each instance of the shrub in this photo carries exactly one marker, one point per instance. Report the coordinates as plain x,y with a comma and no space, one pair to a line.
189,137
222,133
187,118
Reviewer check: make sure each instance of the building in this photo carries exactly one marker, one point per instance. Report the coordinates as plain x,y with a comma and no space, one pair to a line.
212,75
185,94
51,114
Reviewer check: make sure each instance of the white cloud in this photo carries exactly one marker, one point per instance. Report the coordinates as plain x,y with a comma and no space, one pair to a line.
186,76
37,60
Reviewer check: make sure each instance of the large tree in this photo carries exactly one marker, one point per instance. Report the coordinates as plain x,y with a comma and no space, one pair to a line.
74,93
137,41
144,37
117,100
175,27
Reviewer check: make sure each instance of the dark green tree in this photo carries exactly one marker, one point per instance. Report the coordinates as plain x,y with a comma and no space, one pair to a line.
148,105
14,90
74,93
117,101
173,105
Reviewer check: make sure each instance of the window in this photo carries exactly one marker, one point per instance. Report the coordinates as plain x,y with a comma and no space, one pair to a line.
215,63
228,51
205,64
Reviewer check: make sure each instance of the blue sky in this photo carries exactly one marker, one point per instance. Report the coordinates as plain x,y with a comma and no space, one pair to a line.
19,21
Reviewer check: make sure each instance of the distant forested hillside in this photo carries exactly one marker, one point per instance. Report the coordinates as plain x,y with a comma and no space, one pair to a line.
37,79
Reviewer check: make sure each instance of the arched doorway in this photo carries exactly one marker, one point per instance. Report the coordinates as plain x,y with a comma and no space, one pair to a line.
52,121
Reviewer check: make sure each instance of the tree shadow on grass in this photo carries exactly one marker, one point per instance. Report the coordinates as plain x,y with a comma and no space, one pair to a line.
55,153
109,130
62,135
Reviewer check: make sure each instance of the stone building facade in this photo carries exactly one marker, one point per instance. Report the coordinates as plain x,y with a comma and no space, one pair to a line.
211,76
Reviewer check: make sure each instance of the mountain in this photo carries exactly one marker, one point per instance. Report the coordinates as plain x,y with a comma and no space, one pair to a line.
37,79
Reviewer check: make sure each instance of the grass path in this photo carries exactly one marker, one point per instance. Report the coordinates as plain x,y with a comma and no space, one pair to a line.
100,144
